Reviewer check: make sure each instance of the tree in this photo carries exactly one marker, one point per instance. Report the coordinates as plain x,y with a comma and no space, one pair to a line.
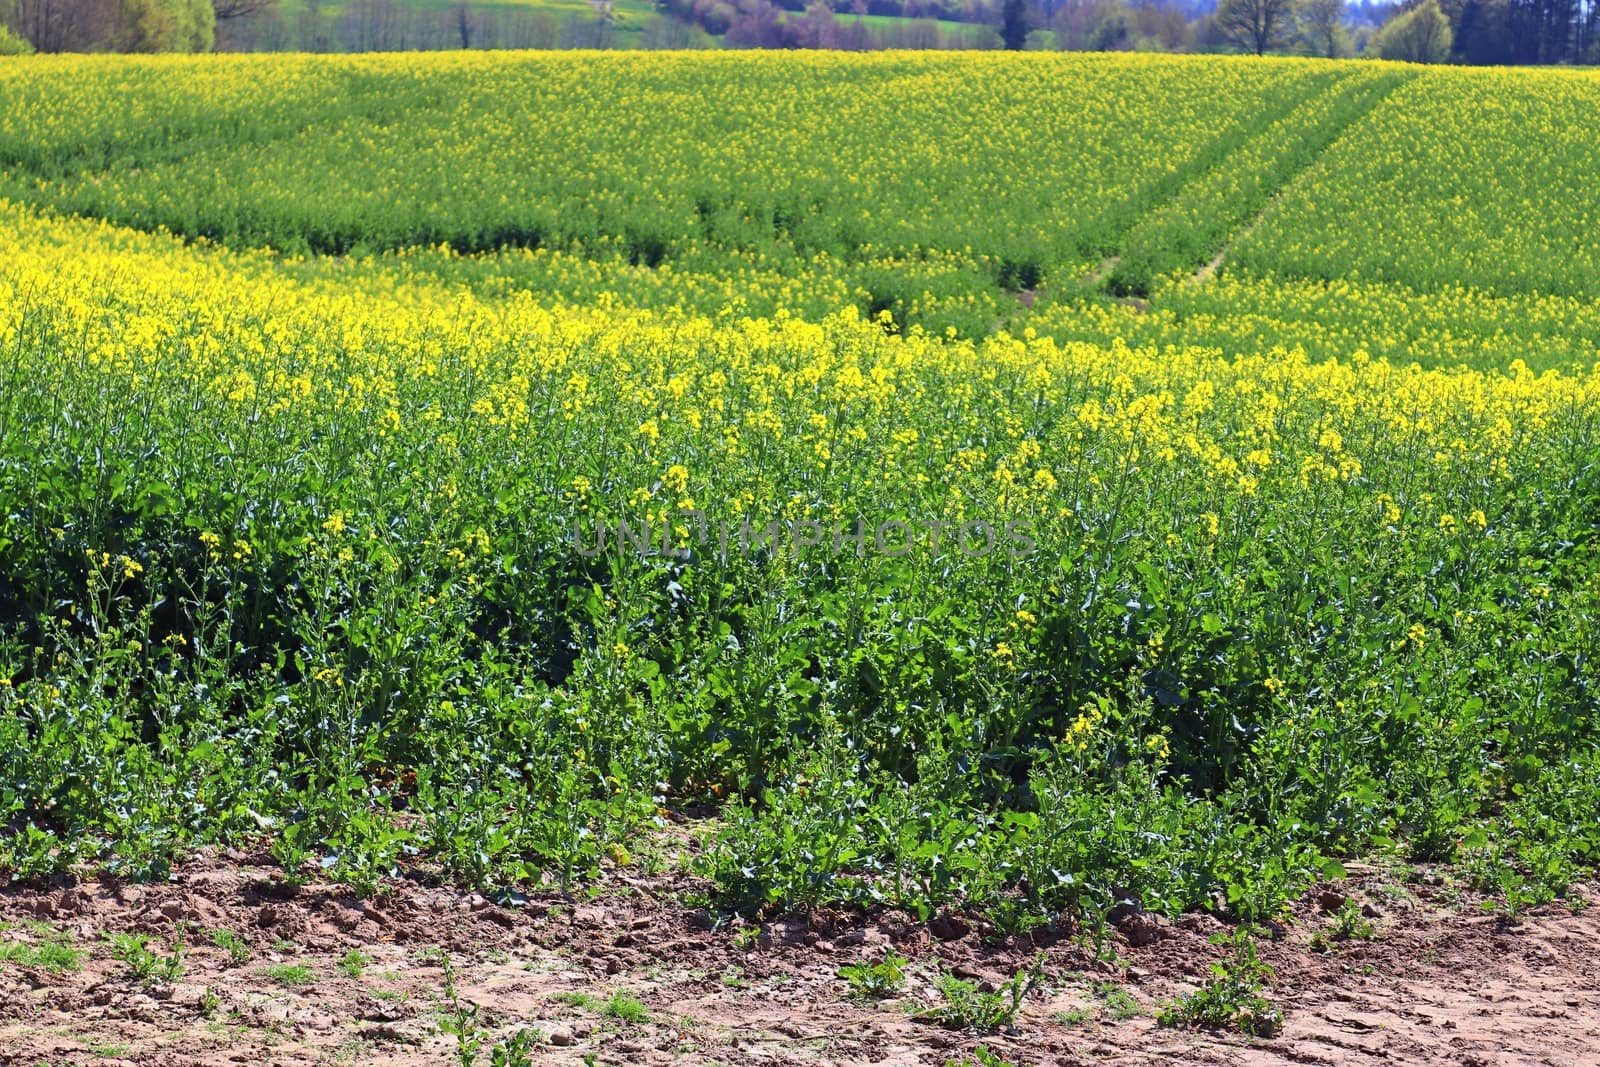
814,29
760,27
11,44
160,26
1015,21
579,32
1322,29
672,32
316,28
1075,22
115,25
1482,31
54,25
1112,32
1421,35
1543,31
920,34
1256,25
1162,26
226,10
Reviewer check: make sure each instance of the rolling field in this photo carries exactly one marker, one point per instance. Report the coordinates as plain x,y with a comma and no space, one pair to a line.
1017,487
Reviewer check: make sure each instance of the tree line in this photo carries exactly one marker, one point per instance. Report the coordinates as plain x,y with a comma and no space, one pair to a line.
1478,32
108,25
1428,31
397,26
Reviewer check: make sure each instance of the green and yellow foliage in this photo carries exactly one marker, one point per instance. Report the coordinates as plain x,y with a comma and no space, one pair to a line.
1420,35
166,26
1022,604
12,45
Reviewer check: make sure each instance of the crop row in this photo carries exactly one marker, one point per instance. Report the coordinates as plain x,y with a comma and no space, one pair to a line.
1458,181
1019,170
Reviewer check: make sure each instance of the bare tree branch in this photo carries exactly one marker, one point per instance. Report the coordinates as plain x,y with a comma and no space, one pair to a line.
238,9
1256,25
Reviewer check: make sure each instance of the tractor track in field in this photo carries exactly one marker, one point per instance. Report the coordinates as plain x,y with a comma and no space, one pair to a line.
1208,270
1101,276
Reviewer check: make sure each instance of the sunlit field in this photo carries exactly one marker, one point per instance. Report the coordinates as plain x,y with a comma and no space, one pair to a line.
1011,483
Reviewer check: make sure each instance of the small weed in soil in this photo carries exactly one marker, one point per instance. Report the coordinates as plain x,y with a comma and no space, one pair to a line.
232,944
882,979
581,1001
979,1057
1349,924
354,963
1119,1003
458,1019
51,953
143,963
290,975
624,1007
1233,998
968,1007
461,1021
515,1050
619,1005
1075,1017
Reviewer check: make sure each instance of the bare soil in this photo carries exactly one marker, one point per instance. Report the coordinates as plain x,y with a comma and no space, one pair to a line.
1440,982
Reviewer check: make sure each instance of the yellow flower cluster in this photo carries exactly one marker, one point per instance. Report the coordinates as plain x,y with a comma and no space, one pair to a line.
1005,425
1081,734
